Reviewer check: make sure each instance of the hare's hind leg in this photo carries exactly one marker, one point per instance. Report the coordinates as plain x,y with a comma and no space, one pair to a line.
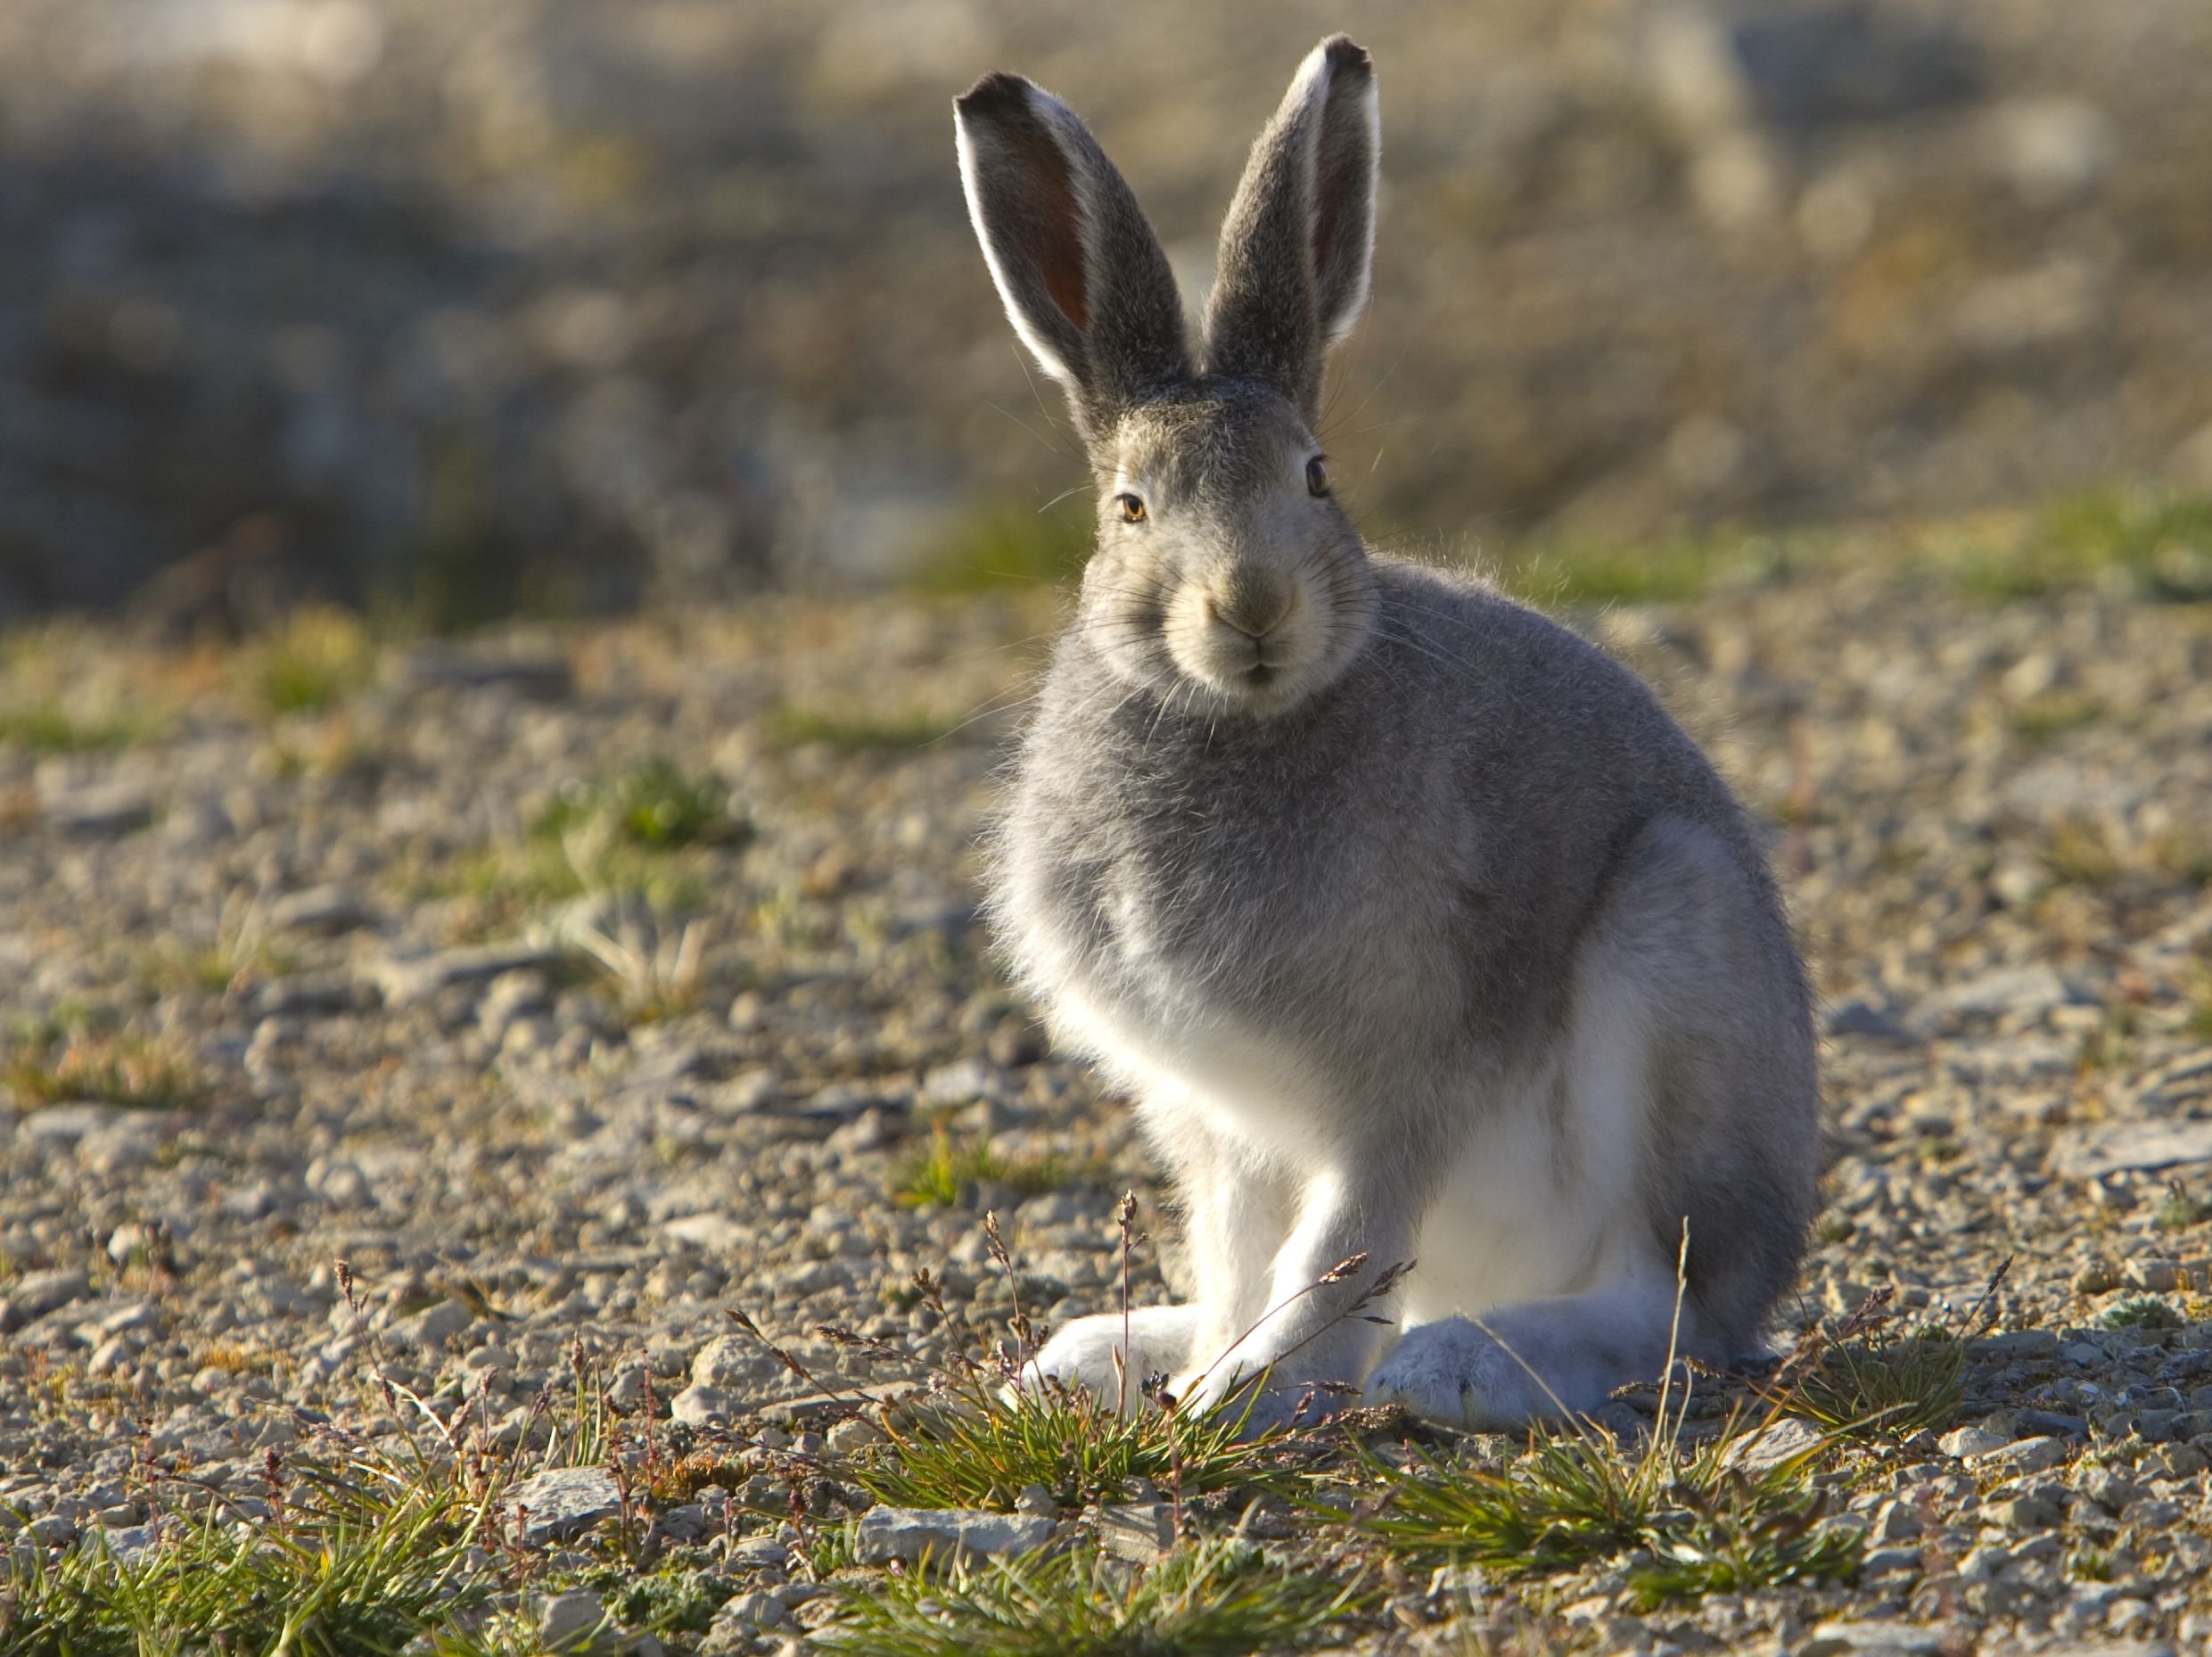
1685,1101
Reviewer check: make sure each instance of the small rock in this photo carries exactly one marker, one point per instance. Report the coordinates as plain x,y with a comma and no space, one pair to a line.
2159,1276
2029,1455
759,1553
568,1621
1037,1502
108,808
698,1405
1965,1441
1864,1019
1141,1532
2090,1152
727,1360
330,908
2019,990
431,1329
2109,1491
565,1503
1896,1521
37,1293
2028,1344
405,981
756,1609
1871,1639
1774,1444
711,1233
856,1433
2032,1512
910,1533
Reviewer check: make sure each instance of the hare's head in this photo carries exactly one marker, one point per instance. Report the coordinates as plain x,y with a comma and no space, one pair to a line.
1227,576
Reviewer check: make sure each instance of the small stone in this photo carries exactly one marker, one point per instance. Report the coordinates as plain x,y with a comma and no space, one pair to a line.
37,1293
2158,1276
1965,1441
1896,1521
700,1406
1871,1639
1141,1532
727,1360
910,1533
568,1621
2035,1512
565,1503
1037,1502
2090,1152
2030,1345
2029,1455
432,1328
627,1391
2109,1491
857,1433
711,1234
405,981
1864,1019
759,1553
1777,1442
755,1610
98,809
330,908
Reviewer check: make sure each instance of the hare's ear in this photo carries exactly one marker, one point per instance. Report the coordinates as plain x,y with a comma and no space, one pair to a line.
1083,279
1300,237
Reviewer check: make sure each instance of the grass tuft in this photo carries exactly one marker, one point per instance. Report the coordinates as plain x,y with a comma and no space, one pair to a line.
2140,543
938,1173
105,1069
316,658
654,804
1006,544
1701,1522
1222,1597
1670,573
353,1568
959,1451
1873,1376
48,726
2147,1312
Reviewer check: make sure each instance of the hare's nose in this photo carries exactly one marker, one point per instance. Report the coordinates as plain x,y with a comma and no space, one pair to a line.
1254,605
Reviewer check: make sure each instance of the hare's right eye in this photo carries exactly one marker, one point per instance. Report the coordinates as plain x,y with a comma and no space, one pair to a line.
1132,508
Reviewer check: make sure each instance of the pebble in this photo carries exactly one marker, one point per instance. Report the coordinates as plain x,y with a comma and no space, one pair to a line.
569,1621
564,1503
906,1533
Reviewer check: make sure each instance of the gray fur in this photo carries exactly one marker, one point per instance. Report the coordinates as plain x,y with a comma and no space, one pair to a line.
1350,869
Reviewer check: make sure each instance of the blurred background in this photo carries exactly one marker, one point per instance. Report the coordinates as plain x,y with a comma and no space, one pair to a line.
466,307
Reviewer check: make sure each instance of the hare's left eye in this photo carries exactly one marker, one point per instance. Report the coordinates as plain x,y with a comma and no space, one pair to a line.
1132,508
1316,476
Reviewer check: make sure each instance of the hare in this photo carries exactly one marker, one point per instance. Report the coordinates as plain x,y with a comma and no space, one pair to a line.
1415,929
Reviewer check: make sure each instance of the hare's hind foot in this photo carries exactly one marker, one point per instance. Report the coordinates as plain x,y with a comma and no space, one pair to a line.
1541,1358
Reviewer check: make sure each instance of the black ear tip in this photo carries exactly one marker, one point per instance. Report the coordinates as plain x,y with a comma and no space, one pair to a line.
997,92
1346,56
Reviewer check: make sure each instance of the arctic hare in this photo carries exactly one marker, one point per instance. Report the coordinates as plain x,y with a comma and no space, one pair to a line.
1412,924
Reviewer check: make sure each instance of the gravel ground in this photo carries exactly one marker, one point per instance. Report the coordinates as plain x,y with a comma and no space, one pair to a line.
344,961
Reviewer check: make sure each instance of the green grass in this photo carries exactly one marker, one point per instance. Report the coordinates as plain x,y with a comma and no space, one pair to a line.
983,1449
1697,1522
2138,542
2146,1311
314,660
1887,1385
892,732
937,1174
654,804
2044,718
106,1068
1668,572
2182,1209
47,726
1217,1598
1006,544
358,1568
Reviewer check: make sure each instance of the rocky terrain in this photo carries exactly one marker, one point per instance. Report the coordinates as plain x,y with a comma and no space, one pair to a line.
404,1034
553,304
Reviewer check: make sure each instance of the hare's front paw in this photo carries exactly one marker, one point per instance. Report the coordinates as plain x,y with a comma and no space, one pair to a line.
1454,1373
1153,1341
